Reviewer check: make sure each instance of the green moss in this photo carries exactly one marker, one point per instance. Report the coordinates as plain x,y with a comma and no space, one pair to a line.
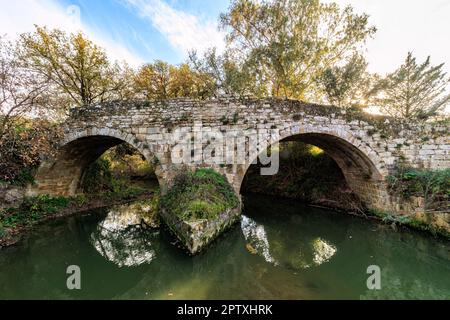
2,230
184,117
33,209
235,117
224,120
202,194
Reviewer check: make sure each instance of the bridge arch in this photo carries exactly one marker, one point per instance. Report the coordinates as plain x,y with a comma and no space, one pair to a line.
62,174
363,169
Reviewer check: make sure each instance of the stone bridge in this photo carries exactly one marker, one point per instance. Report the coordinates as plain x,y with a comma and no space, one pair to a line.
366,147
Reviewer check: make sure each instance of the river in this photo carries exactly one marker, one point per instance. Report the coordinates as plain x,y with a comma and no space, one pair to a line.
280,250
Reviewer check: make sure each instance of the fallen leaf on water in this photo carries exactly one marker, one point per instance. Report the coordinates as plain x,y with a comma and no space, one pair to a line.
250,248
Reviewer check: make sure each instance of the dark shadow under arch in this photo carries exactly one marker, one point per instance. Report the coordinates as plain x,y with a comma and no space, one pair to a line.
359,171
62,175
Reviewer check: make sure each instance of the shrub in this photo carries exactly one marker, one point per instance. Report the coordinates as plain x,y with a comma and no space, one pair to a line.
24,177
202,194
97,177
21,147
432,185
33,209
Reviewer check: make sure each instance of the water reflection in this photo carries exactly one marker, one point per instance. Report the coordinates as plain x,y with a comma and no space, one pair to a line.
301,253
394,287
122,239
280,248
256,238
323,251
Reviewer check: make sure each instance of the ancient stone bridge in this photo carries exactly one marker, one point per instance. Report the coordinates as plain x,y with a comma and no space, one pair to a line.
365,147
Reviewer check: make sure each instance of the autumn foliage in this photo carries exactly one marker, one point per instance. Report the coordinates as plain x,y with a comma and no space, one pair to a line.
22,147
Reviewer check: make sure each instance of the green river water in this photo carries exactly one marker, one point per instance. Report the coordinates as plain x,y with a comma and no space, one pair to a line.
280,250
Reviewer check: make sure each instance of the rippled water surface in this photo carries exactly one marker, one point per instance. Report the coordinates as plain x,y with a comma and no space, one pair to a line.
280,250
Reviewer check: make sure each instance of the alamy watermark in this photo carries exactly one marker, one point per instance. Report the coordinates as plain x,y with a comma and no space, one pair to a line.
73,281
198,144
73,12
374,280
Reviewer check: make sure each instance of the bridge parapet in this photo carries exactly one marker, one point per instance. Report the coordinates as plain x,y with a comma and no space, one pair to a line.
423,145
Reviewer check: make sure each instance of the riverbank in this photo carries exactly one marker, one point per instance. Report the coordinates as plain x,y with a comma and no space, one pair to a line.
15,229
396,222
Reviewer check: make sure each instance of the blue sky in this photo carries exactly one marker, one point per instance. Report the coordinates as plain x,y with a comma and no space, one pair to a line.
137,31
127,22
141,31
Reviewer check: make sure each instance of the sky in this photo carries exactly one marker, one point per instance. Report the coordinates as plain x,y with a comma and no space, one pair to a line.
141,31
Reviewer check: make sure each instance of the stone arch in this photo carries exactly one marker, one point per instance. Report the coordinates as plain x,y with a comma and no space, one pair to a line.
361,166
61,175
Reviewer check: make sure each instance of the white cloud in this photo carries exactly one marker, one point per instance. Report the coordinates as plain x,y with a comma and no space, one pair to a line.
405,25
184,31
17,17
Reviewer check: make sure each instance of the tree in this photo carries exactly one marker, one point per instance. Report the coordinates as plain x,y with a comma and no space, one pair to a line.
185,82
152,80
288,44
160,80
414,91
75,65
122,80
21,89
227,76
347,85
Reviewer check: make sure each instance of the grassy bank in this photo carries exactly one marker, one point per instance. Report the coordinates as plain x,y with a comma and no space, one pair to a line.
15,222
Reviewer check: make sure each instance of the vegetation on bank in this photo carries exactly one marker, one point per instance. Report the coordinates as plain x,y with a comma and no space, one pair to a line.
22,142
431,185
408,221
201,194
37,208
33,209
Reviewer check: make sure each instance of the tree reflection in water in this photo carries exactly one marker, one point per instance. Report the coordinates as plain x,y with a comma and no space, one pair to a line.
323,251
275,248
256,237
121,239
